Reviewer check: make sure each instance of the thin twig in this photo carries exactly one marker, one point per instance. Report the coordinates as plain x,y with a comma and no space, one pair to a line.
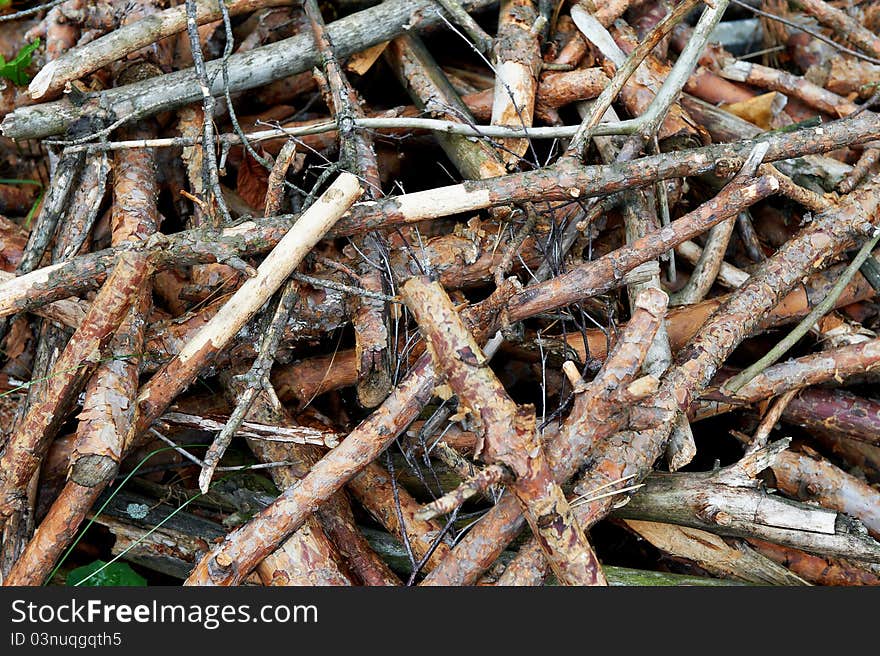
24,13
481,40
625,68
827,303
211,174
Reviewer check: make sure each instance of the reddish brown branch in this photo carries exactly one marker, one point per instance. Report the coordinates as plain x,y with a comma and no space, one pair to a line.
72,369
373,488
508,433
600,410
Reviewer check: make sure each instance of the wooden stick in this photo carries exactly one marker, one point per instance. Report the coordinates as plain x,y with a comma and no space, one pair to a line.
306,379
81,355
508,433
626,66
600,409
358,155
175,376
243,548
713,554
481,40
247,70
517,64
730,502
709,264
560,182
478,483
798,87
837,412
820,570
813,478
867,160
580,281
78,62
307,557
633,454
843,25
230,562
728,275
804,326
373,488
432,92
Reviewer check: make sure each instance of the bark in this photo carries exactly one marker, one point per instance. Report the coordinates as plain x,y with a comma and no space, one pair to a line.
240,552
104,421
508,435
373,489
76,63
475,482
843,25
837,412
559,89
56,531
812,369
554,91
199,351
795,86
683,323
724,126
481,40
818,569
867,160
53,207
600,410
812,478
713,554
714,89
247,70
563,181
80,357
842,75
517,64
696,501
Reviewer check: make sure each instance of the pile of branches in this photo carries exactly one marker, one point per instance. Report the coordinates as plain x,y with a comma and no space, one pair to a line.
441,292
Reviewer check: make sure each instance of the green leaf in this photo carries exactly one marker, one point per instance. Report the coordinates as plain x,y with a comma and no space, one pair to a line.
114,574
33,210
14,70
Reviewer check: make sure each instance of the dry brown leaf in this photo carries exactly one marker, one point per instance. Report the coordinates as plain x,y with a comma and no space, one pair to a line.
252,182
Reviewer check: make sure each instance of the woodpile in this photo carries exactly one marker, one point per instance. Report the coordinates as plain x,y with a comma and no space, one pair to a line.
446,292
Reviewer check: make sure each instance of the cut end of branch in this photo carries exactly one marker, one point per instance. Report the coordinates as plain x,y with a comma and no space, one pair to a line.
642,387
653,300
40,84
